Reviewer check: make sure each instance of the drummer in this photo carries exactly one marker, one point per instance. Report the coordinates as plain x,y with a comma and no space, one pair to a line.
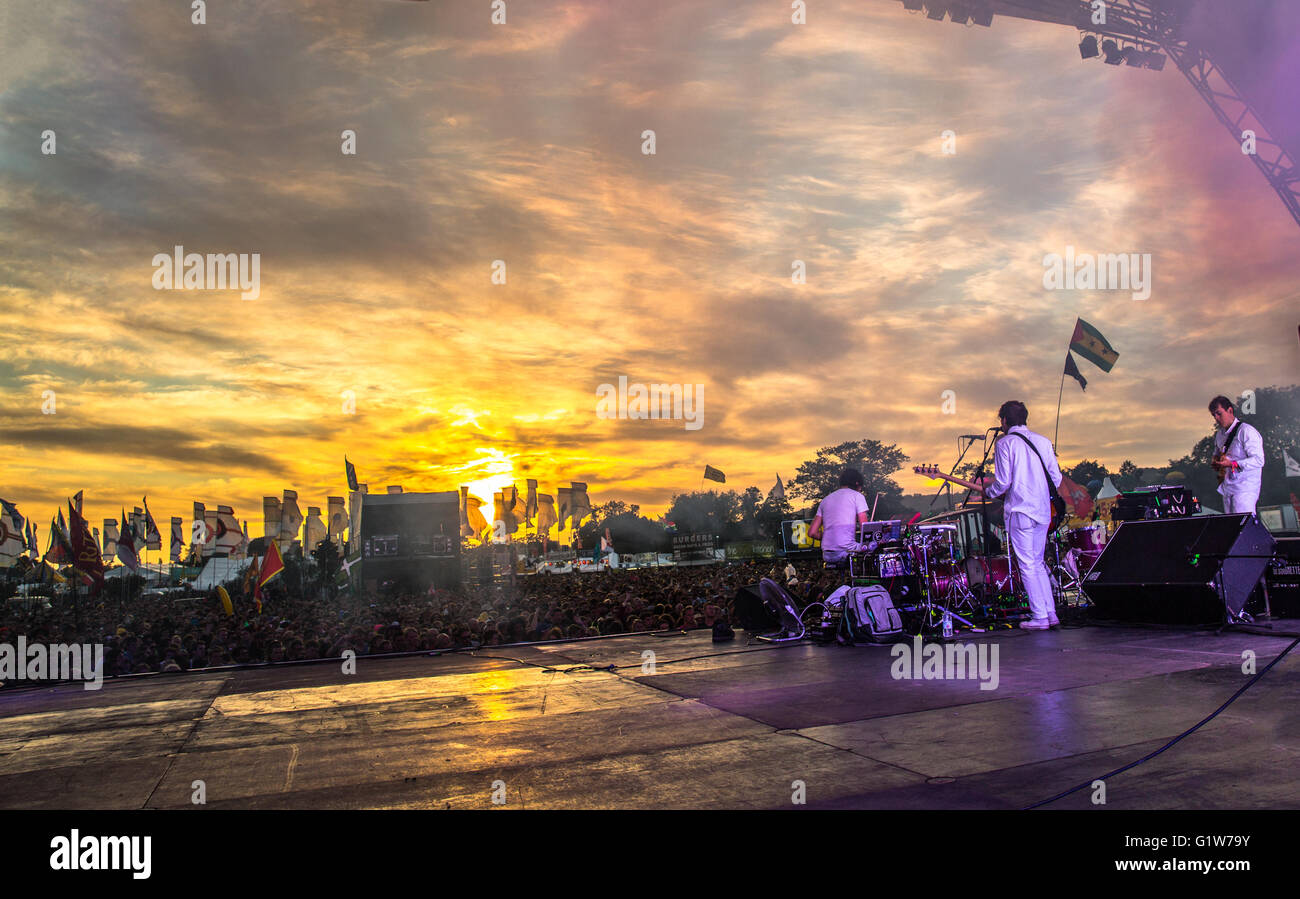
838,516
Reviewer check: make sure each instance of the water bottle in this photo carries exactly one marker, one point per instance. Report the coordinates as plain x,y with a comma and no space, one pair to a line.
947,625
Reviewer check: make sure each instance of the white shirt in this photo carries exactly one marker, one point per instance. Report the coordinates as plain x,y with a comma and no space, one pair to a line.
1248,452
839,514
1018,474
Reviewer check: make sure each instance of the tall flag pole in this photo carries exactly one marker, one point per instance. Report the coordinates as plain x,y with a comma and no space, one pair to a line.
1092,345
272,565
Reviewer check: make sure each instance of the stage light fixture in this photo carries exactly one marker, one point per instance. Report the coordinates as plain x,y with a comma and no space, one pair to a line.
1114,53
982,16
935,11
1088,47
912,5
1155,61
959,13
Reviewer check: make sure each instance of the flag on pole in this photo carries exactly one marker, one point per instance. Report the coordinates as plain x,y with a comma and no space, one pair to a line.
546,517
778,492
32,546
351,472
85,554
713,474
110,538
126,551
580,503
76,500
530,510
272,565
565,505
152,538
290,518
465,529
1089,343
475,518
178,539
1072,369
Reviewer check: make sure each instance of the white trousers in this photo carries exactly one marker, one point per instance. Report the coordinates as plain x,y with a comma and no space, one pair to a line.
1234,503
1028,540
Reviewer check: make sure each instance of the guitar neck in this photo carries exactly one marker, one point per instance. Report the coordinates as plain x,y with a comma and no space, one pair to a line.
956,480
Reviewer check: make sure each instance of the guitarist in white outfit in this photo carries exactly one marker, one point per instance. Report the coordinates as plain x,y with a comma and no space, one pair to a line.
1022,478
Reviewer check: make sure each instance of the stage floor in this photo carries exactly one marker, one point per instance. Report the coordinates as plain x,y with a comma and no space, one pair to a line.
714,726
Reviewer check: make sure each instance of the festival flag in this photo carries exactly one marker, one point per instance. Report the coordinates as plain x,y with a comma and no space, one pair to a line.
565,505
351,472
290,519
36,541
465,529
475,518
178,539
138,529
12,511
314,532
126,551
211,521
530,505
713,474
250,578
520,508
546,517
1091,345
229,535
11,542
578,500
1077,500
60,551
76,500
1072,369
778,492
201,533
338,519
1292,466
152,538
272,565
32,546
110,538
499,512
85,554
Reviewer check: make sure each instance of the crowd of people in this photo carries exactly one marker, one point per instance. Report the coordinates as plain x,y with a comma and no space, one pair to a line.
191,631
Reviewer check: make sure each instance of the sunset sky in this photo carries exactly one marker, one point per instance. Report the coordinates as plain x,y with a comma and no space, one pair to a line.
522,142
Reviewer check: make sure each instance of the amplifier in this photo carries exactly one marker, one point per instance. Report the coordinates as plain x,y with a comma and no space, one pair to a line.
1170,570
1282,579
1162,501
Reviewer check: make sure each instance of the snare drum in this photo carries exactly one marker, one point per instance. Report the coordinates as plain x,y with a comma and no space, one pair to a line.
894,564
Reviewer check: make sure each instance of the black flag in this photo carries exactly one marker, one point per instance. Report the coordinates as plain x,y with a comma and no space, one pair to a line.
1072,370
352,475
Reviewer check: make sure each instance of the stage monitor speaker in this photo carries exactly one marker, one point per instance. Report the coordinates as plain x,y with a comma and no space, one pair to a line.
752,613
1168,570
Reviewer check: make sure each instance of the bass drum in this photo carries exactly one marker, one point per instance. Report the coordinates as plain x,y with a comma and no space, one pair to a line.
990,574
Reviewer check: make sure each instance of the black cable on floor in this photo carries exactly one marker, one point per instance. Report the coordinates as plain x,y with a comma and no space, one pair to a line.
1187,733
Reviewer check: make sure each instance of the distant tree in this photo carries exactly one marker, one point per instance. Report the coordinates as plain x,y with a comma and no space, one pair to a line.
821,475
705,512
1087,471
328,564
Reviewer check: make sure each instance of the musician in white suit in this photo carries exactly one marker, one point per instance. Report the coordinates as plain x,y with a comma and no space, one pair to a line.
1022,478
1242,462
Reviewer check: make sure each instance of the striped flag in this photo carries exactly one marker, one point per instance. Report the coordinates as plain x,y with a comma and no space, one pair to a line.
1089,343
714,474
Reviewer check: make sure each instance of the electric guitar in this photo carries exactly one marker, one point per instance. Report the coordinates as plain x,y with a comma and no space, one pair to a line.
1223,466
932,471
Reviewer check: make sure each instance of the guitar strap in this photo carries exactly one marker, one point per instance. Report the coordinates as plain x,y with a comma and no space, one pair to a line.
1232,435
1052,492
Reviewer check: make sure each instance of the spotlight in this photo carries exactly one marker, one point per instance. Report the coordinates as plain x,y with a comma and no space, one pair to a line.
1155,61
959,13
982,16
912,5
1088,47
935,11
1136,58
1114,54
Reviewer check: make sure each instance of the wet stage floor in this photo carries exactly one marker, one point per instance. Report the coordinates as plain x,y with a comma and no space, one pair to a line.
712,726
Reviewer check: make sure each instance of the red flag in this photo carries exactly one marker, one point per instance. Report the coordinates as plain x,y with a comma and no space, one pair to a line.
272,565
85,554
1077,498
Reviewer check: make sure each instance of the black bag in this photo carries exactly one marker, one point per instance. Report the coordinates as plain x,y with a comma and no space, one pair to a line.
870,615
1058,501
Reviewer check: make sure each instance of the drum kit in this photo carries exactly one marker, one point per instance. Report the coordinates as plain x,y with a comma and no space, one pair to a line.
927,576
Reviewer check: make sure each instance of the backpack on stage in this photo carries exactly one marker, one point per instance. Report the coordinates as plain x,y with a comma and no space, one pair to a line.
869,615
